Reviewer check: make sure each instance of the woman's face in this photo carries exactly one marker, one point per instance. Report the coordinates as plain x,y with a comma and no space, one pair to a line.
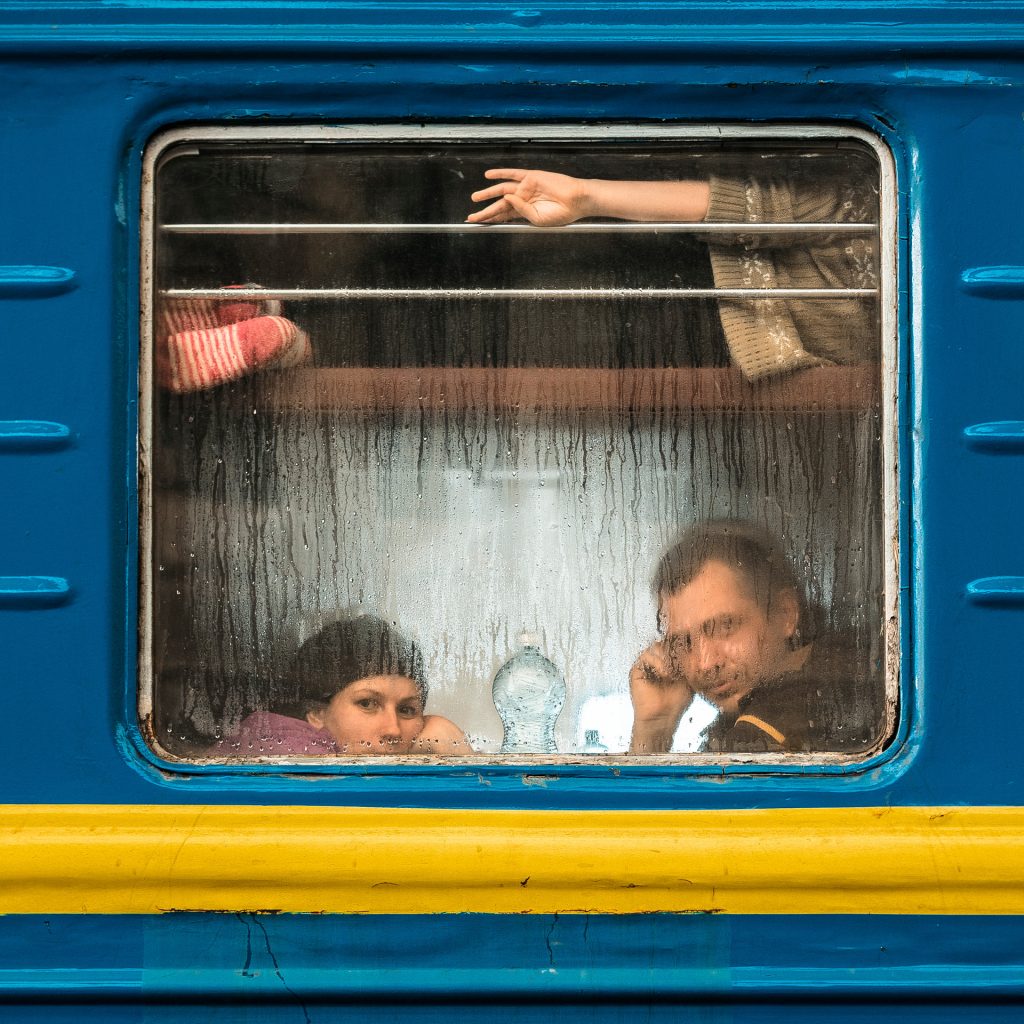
376,715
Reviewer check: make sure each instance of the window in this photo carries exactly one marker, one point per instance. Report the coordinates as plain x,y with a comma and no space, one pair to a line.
644,455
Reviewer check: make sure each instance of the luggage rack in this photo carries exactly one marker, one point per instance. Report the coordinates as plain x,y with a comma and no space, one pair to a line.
737,230
517,293
579,228
361,388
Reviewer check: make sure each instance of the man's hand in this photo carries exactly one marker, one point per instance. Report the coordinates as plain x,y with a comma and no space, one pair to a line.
543,198
659,699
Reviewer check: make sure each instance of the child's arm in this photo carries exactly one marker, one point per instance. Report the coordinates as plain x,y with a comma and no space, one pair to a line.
442,737
548,199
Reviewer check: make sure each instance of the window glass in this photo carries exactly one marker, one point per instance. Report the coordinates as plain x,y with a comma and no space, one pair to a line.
599,474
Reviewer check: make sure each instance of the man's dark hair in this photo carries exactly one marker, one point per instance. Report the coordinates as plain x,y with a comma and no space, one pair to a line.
753,552
342,653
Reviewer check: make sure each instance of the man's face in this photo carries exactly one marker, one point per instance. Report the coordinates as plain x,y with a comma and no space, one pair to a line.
720,640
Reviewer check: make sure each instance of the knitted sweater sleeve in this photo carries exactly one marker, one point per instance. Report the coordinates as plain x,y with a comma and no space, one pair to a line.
752,200
771,336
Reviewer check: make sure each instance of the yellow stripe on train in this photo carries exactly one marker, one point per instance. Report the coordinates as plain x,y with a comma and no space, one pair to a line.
102,859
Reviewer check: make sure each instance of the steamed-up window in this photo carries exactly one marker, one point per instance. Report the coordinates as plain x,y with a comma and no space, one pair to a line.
471,446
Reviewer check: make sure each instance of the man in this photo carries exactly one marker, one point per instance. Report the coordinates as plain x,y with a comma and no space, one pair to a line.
732,614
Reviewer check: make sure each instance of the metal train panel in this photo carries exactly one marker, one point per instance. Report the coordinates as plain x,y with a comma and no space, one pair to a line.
141,886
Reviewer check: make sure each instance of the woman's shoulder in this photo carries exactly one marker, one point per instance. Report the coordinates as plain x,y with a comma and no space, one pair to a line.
441,736
266,733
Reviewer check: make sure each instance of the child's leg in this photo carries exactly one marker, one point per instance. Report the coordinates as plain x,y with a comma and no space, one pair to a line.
209,342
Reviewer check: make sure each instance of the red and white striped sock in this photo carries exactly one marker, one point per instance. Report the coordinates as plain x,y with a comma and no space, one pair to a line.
209,342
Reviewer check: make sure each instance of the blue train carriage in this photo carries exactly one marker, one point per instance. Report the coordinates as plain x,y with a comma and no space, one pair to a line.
391,391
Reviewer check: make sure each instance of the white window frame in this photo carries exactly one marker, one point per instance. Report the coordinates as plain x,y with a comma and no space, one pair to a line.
524,134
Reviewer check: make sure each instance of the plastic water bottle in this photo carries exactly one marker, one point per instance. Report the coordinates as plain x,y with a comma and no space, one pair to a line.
528,692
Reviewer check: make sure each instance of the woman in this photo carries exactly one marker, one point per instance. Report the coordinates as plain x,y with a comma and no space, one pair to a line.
356,687
766,337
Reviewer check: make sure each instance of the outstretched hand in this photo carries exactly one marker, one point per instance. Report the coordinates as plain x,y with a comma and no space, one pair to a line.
543,198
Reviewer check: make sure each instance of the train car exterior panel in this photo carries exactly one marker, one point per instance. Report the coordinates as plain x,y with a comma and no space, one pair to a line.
136,889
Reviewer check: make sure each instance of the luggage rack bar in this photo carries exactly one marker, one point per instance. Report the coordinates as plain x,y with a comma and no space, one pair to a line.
589,228
517,293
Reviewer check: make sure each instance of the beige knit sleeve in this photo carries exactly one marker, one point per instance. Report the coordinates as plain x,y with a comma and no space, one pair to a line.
774,336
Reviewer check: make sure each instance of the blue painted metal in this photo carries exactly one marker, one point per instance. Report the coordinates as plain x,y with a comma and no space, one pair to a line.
481,962
777,29
997,590
33,591
994,282
87,84
28,282
955,93
32,435
490,986
1006,436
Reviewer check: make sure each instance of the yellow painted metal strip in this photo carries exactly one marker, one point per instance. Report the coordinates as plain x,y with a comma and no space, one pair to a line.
111,859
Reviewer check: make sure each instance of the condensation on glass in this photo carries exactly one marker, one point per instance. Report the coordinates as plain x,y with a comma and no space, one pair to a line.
459,452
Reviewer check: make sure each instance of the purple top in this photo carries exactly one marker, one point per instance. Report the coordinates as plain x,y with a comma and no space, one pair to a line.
265,733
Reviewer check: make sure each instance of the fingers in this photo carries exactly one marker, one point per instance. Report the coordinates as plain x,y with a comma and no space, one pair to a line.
505,209
493,191
521,194
500,211
496,213
657,657
523,207
653,667
512,173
